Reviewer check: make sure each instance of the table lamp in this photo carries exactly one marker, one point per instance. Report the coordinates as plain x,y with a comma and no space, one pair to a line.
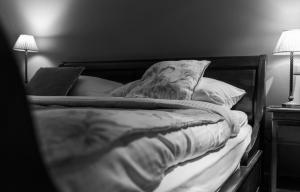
289,44
27,44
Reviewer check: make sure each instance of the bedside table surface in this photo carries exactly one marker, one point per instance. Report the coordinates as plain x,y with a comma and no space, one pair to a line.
276,108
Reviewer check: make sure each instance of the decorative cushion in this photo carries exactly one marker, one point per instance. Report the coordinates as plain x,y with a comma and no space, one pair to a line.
217,92
93,86
53,81
168,80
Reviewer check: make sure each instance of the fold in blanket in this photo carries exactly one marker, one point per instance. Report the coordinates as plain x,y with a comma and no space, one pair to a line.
132,103
124,148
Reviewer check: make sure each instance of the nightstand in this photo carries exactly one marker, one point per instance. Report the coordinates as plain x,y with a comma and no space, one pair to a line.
285,142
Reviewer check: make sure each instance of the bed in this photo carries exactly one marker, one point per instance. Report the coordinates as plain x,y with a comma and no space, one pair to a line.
244,171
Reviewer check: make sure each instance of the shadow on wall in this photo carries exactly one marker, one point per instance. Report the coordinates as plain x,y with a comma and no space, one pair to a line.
44,20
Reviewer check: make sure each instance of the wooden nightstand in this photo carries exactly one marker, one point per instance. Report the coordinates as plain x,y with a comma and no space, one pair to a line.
285,142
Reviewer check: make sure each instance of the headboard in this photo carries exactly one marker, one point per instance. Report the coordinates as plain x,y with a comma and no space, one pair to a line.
246,72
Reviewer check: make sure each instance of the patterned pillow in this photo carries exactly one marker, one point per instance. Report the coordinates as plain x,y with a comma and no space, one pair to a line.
217,92
169,80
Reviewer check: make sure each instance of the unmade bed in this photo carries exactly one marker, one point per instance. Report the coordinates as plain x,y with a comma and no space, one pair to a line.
140,142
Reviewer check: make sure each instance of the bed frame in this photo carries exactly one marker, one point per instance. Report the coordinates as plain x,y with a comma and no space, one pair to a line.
246,72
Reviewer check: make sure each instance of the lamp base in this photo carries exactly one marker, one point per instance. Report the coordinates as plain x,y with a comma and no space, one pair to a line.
291,104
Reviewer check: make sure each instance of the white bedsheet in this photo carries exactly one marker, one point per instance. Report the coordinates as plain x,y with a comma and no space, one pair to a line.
211,171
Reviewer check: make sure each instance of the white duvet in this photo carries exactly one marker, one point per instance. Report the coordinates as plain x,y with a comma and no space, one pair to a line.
86,153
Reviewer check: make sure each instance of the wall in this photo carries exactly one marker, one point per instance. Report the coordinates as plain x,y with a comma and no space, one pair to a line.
116,29
119,29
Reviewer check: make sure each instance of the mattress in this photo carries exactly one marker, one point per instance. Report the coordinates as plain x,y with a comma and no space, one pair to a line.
211,171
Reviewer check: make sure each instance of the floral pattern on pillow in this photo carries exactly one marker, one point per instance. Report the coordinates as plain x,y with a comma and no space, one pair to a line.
168,80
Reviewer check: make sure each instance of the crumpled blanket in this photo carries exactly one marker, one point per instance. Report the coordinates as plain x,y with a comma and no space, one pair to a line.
128,147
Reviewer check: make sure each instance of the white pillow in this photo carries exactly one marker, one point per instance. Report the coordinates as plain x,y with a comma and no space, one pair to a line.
123,90
217,92
93,86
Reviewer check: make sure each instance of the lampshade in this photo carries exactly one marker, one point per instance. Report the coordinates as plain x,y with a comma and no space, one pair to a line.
289,41
26,42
